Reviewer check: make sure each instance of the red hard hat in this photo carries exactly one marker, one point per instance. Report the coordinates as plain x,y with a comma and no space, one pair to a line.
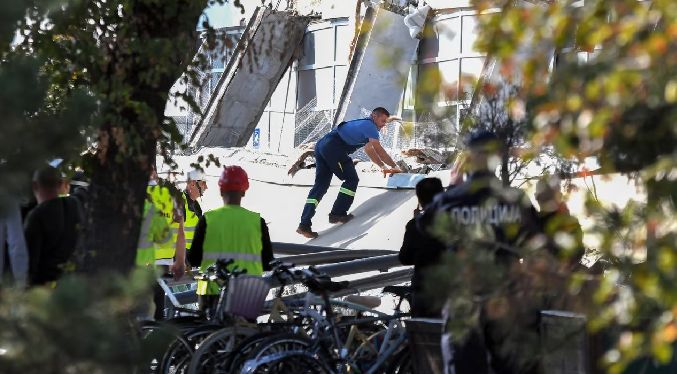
233,178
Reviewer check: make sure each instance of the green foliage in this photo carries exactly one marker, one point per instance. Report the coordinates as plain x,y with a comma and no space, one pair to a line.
29,109
88,81
83,325
487,285
612,95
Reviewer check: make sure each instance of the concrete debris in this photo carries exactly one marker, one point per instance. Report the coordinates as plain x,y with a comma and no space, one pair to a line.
263,54
415,21
383,37
415,160
422,160
307,150
403,166
242,155
425,155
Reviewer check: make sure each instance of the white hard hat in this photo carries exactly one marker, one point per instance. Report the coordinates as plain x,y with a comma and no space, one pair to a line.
196,175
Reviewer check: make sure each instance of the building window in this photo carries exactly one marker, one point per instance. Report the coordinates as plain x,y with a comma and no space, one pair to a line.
322,68
208,79
321,74
448,65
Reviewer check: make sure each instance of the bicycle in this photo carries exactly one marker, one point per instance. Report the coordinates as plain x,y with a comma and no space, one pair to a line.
215,353
188,331
325,352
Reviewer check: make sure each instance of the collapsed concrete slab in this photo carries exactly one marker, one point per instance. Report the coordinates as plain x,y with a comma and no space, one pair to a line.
379,66
262,56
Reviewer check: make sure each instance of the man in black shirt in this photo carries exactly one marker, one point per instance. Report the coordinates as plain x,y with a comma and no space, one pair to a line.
422,251
51,228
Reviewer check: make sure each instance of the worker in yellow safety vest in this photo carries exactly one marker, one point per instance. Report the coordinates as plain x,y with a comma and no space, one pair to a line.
165,204
230,232
196,185
156,230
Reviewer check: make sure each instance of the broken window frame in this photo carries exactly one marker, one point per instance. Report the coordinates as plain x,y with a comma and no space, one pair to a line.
339,60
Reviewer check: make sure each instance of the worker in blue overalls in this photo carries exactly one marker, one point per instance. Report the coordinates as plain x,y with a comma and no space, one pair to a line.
332,156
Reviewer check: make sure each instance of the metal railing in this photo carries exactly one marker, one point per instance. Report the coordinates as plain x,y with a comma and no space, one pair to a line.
337,263
289,249
330,257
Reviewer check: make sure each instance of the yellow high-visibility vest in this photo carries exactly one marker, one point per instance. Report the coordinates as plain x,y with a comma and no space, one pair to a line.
164,203
189,225
234,233
154,229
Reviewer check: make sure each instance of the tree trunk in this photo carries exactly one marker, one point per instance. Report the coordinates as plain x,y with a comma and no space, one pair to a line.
128,140
505,171
116,203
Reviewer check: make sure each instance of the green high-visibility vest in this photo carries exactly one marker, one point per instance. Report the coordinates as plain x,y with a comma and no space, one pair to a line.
189,224
164,203
234,233
154,229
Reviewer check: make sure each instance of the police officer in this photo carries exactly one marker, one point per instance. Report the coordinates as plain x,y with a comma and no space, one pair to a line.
506,220
332,156
230,232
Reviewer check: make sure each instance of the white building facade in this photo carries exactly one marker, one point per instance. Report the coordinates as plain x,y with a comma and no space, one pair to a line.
443,73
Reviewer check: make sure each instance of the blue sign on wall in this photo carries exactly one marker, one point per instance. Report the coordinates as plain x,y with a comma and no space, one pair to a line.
256,138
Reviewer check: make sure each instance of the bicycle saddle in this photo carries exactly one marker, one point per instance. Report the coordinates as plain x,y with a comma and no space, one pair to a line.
321,285
400,291
366,301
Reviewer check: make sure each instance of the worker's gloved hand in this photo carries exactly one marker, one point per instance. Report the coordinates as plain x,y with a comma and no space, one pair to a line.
178,268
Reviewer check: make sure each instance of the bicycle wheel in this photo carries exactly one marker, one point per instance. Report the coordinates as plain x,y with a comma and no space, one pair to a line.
214,352
291,362
367,352
236,361
266,357
403,363
158,339
177,357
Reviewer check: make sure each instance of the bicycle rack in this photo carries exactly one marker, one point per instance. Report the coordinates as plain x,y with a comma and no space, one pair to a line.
332,261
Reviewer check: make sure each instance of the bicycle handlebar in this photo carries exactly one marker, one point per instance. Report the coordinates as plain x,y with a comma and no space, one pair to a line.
219,271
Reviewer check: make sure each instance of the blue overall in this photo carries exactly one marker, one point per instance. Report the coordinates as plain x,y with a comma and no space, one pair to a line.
332,157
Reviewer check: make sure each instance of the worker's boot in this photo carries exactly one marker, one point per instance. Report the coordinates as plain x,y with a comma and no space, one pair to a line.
307,232
335,218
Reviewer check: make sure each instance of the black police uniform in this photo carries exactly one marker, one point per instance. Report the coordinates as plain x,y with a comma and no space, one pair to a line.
510,216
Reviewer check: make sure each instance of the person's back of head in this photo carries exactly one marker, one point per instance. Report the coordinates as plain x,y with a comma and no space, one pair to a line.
46,183
233,184
482,145
426,190
548,193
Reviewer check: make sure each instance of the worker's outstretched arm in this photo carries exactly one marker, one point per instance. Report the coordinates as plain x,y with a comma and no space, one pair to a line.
374,147
179,265
373,156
